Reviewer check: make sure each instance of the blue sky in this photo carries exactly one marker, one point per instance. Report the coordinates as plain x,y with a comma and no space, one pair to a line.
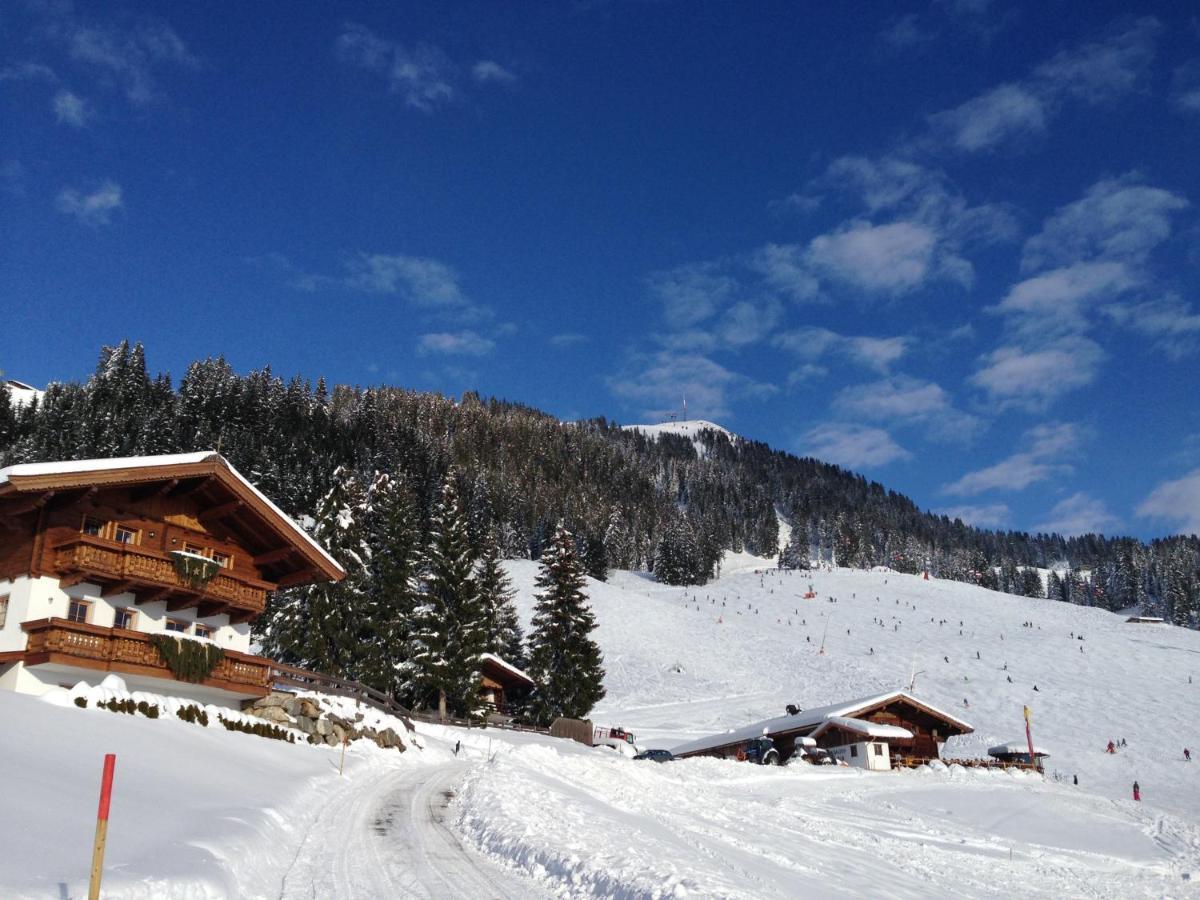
952,245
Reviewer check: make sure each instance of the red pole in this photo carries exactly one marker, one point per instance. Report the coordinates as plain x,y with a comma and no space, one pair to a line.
110,763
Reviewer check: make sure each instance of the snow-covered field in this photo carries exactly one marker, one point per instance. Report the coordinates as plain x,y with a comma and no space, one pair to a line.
207,813
687,662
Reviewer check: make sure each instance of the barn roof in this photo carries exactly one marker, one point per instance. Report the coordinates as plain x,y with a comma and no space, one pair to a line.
26,478
1014,748
809,719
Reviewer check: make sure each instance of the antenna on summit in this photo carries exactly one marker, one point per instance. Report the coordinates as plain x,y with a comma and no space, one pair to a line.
685,418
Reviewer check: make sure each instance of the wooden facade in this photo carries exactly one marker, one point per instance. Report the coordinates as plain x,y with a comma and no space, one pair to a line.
121,529
145,538
929,728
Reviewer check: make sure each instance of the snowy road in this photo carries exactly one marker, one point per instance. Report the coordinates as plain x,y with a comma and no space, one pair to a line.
387,837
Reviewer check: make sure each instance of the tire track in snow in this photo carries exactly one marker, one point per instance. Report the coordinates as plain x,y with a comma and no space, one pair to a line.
386,837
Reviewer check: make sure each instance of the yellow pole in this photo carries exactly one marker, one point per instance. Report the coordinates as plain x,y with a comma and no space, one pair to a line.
110,763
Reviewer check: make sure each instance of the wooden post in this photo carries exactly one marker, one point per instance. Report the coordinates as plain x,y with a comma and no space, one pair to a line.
342,764
110,763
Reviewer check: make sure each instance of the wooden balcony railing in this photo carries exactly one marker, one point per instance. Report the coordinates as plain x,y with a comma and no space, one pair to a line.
146,569
130,652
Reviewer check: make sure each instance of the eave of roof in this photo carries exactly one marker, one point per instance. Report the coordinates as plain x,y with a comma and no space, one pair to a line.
28,477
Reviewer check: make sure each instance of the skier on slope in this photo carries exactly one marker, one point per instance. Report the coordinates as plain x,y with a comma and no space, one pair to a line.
1187,755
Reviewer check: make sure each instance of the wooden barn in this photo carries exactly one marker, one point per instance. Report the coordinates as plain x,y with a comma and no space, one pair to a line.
872,732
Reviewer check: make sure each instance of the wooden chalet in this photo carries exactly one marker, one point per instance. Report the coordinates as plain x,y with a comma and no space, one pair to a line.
872,732
97,555
501,680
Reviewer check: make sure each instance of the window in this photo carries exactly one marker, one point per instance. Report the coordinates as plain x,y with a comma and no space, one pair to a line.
177,626
224,560
854,749
123,535
193,548
878,749
3,610
78,610
124,618
203,631
94,527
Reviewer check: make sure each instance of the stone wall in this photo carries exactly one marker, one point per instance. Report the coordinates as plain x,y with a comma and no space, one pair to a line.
322,726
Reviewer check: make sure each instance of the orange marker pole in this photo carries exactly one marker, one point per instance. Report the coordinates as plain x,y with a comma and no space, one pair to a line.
110,763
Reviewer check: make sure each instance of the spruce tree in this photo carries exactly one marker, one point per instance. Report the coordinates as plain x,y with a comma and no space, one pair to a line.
393,534
496,595
321,626
564,661
448,631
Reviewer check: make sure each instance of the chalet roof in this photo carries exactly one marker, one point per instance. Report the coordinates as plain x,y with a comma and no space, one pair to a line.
809,719
506,666
861,726
39,477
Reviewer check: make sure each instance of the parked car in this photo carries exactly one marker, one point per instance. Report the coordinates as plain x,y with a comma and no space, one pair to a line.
657,755
817,756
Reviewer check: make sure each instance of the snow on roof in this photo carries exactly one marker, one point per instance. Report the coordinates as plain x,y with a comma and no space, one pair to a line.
507,666
1013,748
73,466
21,393
870,729
808,718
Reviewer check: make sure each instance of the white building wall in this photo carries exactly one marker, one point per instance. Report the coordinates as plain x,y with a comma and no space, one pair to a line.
42,598
871,755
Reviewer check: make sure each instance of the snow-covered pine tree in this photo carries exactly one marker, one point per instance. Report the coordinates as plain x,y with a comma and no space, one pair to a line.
394,536
618,544
795,554
563,659
448,631
496,594
677,559
322,626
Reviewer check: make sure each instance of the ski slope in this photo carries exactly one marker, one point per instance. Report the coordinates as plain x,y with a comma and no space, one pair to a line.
682,663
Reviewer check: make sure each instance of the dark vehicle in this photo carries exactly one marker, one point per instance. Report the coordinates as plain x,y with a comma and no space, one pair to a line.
818,757
759,750
655,755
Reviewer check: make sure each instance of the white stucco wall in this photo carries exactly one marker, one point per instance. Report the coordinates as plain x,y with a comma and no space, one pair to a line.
864,756
42,598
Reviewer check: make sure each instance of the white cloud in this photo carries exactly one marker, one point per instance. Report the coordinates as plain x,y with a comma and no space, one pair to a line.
784,268
1078,514
904,32
991,515
130,55
892,259
488,71
852,445
1033,377
1101,70
423,75
1118,218
1094,72
1002,114
425,282
1169,320
71,109
461,343
692,293
658,382
1185,87
904,400
93,209
746,323
568,339
1175,501
1042,458
28,71
1055,302
815,343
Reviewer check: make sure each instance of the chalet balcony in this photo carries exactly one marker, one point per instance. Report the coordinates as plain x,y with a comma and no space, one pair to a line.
60,642
151,575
